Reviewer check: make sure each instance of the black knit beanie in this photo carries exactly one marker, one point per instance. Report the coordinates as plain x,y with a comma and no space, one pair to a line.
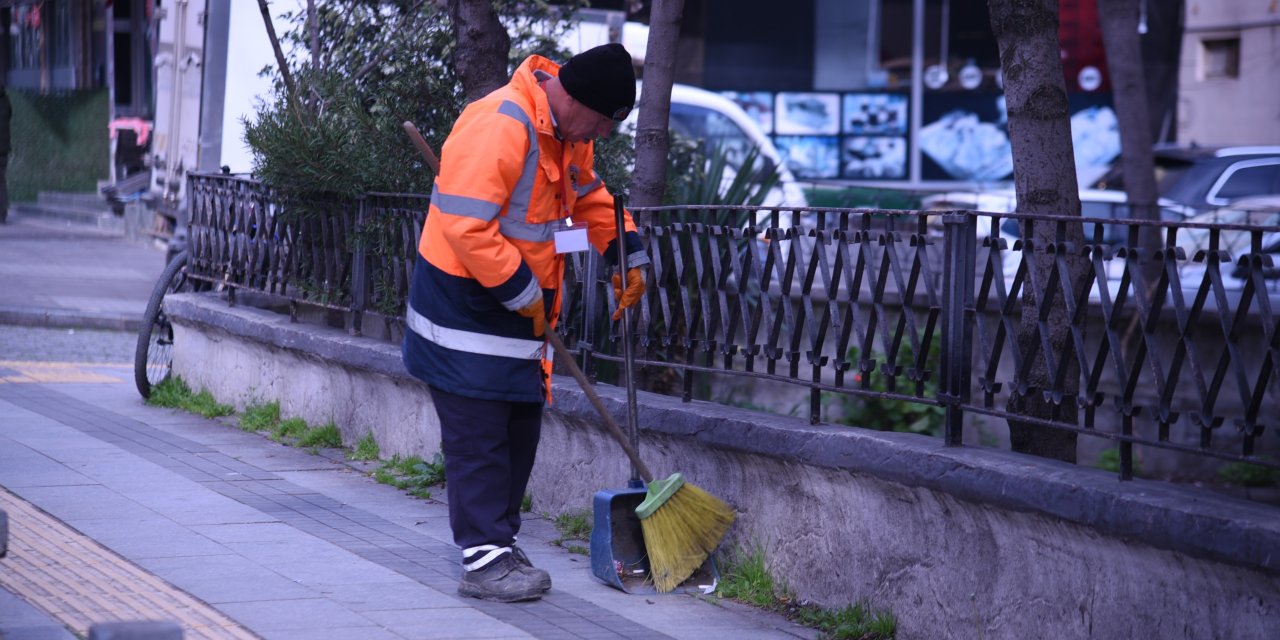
603,79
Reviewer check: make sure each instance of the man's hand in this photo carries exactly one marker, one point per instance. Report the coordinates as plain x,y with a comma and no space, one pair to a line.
635,289
536,312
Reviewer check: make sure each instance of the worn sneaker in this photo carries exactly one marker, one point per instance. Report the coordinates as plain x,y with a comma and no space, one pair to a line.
503,580
526,565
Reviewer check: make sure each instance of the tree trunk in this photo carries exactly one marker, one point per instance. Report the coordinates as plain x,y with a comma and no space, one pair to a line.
649,183
1119,20
1045,179
483,46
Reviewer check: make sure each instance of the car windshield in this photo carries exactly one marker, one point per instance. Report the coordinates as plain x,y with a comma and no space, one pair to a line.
716,130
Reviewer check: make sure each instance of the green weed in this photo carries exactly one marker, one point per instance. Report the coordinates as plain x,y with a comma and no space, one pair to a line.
746,578
366,449
291,428
412,474
260,417
526,504
327,436
573,526
175,394
170,393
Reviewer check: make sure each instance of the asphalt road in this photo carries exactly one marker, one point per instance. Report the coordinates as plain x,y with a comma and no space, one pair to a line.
66,345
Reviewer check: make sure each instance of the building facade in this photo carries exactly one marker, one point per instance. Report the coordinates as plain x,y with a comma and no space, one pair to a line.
1229,78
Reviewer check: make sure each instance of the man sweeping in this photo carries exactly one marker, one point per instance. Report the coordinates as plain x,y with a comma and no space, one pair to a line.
517,164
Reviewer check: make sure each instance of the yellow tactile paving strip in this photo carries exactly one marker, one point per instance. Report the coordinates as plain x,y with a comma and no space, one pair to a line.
79,582
59,372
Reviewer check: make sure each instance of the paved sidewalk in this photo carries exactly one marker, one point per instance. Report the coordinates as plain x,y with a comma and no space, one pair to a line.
119,510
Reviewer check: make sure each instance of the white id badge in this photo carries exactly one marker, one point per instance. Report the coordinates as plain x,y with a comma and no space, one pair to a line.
572,239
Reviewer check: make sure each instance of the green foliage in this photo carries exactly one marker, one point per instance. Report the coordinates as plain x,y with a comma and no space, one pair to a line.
380,65
853,622
1249,475
260,417
746,578
412,474
704,182
526,503
326,436
170,393
175,394
890,414
291,428
1109,460
573,526
58,142
366,449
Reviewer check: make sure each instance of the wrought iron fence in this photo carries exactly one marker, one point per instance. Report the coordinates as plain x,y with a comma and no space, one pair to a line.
1170,345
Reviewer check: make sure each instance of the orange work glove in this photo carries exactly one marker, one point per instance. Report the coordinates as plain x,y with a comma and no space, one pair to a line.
536,312
635,289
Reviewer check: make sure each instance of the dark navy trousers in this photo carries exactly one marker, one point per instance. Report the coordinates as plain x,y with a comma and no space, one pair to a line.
489,447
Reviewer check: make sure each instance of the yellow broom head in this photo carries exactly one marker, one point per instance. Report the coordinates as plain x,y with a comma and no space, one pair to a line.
682,525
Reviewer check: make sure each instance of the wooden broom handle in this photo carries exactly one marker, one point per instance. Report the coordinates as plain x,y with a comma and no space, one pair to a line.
614,429
553,338
423,147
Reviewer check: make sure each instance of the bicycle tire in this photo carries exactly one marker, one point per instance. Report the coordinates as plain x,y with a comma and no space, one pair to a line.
153,356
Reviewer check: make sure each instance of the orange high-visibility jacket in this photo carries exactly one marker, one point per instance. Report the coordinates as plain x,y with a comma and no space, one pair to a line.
506,185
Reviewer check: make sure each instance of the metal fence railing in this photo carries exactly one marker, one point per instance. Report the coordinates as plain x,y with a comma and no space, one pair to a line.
1169,334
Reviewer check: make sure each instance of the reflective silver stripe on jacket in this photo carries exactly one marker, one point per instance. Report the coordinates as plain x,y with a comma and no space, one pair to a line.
465,206
516,223
522,194
589,187
525,298
472,341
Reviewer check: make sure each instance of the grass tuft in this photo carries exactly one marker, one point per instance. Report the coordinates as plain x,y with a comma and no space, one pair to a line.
260,417
412,474
573,527
366,449
175,394
327,436
746,578
291,428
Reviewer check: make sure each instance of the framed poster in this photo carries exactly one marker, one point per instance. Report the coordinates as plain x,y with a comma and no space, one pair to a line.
757,104
875,114
807,114
873,157
964,137
810,156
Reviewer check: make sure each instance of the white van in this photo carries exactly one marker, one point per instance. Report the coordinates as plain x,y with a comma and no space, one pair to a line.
702,115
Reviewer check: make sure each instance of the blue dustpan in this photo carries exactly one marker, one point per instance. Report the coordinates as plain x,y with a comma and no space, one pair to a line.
618,556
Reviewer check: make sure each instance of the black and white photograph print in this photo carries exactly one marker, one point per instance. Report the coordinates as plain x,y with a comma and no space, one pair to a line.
874,158
810,156
807,114
877,114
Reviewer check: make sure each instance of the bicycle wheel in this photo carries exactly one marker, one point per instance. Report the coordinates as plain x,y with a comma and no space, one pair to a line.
153,358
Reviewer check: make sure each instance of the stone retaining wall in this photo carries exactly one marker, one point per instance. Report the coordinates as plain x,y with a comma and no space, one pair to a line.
958,542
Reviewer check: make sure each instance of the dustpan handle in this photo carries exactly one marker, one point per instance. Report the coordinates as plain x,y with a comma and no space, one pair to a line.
566,359
628,354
